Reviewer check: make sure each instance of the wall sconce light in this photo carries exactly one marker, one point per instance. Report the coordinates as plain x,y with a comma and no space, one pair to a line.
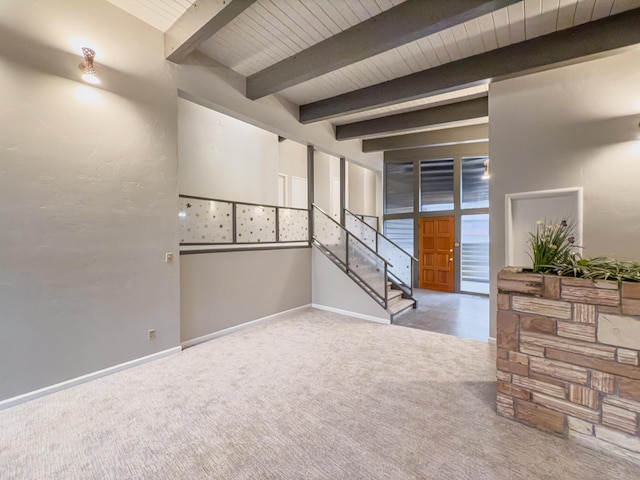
486,175
88,71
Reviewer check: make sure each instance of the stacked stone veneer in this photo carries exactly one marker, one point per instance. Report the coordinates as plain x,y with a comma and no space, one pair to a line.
568,359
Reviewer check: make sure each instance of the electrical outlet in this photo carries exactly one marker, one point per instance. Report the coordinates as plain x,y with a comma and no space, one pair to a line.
152,334
168,257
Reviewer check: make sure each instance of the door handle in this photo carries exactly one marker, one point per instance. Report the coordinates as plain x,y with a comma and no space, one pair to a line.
451,259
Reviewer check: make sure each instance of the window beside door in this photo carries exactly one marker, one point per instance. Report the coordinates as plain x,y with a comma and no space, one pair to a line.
474,253
400,232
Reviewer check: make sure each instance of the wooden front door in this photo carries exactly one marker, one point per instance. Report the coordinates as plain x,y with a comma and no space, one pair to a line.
436,254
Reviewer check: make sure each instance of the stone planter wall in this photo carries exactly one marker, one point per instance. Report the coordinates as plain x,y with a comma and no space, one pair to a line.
568,358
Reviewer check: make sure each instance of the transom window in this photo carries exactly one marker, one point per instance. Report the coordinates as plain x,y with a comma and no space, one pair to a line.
436,185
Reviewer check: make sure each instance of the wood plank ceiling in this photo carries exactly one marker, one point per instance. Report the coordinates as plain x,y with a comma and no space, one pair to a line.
267,40
160,14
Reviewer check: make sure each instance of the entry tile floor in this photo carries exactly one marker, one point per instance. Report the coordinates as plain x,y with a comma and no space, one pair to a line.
458,314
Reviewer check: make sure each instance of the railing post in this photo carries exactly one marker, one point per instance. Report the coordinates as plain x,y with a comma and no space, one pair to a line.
277,224
346,251
411,280
310,188
386,290
233,222
312,227
343,188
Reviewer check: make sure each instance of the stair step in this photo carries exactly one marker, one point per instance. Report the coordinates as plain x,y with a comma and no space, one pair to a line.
393,294
399,306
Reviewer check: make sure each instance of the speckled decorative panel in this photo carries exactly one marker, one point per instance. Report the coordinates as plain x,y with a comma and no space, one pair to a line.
399,259
293,225
371,221
330,235
255,224
205,221
361,230
368,266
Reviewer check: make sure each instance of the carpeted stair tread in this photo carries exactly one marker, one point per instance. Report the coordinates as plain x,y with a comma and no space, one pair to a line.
393,295
400,305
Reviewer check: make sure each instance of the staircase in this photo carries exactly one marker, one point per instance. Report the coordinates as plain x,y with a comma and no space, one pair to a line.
378,266
397,303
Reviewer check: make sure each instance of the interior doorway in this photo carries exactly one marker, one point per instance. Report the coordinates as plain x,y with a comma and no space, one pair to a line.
436,259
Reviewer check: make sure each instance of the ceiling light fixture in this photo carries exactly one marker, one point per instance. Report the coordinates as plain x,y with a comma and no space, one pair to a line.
89,72
486,175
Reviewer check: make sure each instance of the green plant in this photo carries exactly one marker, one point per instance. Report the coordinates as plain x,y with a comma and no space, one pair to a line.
551,244
552,250
598,268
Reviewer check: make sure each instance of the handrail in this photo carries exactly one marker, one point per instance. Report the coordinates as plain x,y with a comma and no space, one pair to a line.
389,277
363,216
406,284
378,233
239,202
352,235
356,215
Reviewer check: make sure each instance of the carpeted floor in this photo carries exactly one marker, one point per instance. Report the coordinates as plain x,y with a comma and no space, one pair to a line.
313,395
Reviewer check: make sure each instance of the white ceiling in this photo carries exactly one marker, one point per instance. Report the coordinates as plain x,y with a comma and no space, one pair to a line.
160,14
270,31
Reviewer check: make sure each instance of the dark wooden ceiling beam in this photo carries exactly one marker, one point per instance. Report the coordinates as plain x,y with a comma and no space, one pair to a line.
453,112
549,51
434,153
198,23
444,136
397,26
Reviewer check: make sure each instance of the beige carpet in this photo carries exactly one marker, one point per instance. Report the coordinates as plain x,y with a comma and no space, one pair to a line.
311,396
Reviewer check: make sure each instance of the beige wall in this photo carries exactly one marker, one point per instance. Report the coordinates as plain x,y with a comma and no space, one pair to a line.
292,163
334,290
223,90
326,181
224,158
224,289
575,126
87,193
362,190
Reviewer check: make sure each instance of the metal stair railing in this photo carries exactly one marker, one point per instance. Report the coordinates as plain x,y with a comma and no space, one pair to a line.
369,220
401,273
368,269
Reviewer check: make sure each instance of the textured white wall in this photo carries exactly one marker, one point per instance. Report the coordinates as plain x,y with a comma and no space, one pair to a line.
293,162
575,126
326,179
225,158
362,198
87,193
223,90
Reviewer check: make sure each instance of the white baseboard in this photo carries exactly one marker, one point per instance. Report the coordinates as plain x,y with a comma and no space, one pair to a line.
227,331
25,397
371,318
491,340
